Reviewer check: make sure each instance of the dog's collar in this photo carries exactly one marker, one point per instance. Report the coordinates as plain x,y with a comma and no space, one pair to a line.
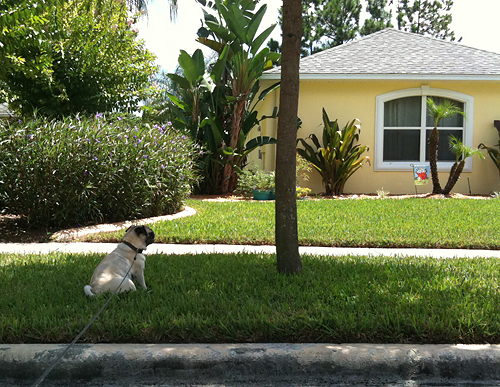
138,251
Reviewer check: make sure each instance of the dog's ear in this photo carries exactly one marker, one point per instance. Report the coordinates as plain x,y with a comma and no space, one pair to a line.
140,230
128,229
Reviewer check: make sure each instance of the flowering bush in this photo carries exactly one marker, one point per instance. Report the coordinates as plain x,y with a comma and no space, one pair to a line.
86,170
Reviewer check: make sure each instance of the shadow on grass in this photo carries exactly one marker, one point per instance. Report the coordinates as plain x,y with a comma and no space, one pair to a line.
216,298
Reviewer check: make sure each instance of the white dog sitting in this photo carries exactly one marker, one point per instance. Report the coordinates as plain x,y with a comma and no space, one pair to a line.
124,264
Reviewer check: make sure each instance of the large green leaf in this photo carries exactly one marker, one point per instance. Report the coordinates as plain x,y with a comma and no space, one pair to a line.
181,81
258,141
257,43
191,66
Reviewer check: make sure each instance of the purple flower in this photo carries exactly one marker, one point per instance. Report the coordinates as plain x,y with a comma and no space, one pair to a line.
96,140
119,118
169,123
139,141
98,115
95,158
145,157
125,136
85,173
87,139
162,166
183,137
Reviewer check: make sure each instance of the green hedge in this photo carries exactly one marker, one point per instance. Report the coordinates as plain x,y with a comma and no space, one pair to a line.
84,170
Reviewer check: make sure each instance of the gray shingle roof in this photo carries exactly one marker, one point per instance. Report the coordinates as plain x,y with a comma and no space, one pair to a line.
394,54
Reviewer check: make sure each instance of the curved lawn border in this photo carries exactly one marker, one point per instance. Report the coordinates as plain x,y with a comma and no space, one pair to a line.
72,233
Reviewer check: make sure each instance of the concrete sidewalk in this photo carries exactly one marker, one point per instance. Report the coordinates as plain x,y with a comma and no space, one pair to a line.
244,365
104,248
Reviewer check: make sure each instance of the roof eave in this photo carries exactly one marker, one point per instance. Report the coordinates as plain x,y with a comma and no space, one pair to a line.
392,77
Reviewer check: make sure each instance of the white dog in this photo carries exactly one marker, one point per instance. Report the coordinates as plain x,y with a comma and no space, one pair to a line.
124,264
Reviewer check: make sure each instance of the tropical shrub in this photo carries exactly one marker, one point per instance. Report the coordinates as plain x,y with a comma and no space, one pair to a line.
493,152
255,179
84,170
338,157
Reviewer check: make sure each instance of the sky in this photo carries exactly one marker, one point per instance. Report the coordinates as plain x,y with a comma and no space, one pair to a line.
475,21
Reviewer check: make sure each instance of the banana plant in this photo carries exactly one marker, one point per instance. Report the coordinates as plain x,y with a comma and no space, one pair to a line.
337,157
235,29
207,111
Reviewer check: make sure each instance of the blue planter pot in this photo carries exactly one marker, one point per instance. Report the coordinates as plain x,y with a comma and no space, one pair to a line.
260,195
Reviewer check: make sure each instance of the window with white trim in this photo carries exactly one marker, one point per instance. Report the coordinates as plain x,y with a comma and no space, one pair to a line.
403,126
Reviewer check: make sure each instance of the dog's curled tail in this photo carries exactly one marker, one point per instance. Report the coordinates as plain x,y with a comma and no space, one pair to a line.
88,290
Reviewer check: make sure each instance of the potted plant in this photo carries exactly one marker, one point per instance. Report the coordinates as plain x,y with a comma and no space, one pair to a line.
256,183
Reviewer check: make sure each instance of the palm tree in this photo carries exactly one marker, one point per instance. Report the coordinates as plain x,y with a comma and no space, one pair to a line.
461,152
438,112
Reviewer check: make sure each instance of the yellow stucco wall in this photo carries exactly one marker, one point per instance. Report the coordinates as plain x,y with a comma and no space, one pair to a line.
345,101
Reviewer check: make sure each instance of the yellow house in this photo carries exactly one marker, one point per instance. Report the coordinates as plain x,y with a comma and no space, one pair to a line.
383,80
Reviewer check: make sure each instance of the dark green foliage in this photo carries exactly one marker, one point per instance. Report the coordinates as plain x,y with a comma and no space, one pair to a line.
338,156
81,170
380,17
75,57
215,298
426,17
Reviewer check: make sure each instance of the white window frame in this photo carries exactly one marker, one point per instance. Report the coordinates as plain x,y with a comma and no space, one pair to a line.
467,100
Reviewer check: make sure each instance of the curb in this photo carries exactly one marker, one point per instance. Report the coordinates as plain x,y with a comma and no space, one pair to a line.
254,364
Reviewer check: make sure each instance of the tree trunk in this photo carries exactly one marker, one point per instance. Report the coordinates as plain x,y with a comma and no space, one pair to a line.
287,240
455,172
433,154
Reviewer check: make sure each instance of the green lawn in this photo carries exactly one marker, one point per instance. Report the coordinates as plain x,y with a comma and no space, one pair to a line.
241,298
424,223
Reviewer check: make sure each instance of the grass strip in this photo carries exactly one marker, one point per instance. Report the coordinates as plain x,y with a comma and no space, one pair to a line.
416,223
241,298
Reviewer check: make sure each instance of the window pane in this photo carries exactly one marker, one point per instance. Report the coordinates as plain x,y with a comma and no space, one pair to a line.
401,145
444,152
403,112
456,121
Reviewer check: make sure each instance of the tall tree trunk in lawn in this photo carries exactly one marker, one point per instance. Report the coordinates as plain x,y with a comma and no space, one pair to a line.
287,241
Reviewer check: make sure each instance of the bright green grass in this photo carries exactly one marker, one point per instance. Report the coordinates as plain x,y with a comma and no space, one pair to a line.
425,223
241,298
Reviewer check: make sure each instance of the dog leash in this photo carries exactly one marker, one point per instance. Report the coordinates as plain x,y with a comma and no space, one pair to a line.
48,370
